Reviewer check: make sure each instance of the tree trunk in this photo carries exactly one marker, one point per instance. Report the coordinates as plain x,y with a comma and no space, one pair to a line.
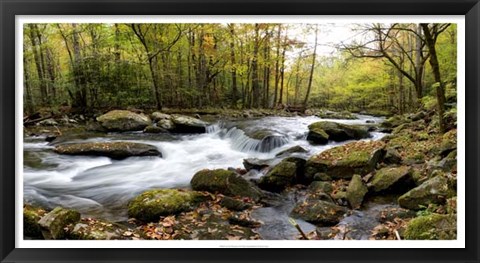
277,59
431,39
282,70
255,83
30,108
312,68
233,70
80,94
38,62
418,63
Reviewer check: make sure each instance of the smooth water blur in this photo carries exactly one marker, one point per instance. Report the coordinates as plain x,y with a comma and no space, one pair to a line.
101,187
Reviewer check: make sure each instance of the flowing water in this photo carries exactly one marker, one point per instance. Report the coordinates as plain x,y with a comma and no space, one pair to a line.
101,187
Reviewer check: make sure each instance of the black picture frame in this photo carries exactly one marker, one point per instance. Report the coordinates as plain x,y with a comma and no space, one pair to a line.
11,8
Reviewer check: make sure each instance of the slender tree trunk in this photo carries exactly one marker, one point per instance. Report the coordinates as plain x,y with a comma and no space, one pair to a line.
431,39
282,70
312,68
38,63
277,59
255,81
419,66
80,93
28,92
233,70
266,72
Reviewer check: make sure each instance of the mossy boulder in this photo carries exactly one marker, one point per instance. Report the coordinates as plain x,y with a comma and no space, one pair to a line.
392,156
94,229
31,216
123,120
319,186
166,124
432,227
187,124
449,143
114,150
224,182
356,191
393,121
319,212
158,116
432,191
152,204
294,149
326,114
284,174
53,224
154,129
317,136
394,179
336,131
344,161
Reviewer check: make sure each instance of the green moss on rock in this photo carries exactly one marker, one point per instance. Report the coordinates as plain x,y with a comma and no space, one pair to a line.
282,175
317,136
432,227
344,161
152,204
224,182
53,223
356,190
432,191
336,131
319,186
123,120
389,178
31,216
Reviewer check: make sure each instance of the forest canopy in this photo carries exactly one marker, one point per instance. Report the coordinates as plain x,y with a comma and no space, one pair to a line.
377,67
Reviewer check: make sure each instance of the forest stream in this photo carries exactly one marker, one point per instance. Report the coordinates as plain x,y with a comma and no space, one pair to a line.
101,187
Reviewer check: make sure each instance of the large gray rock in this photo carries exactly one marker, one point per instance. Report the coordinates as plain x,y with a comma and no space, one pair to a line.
187,124
151,205
356,190
157,116
342,162
287,173
397,179
433,191
123,120
114,150
336,132
319,212
53,224
224,182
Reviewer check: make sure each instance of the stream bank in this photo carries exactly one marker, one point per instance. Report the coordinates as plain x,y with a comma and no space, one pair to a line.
102,188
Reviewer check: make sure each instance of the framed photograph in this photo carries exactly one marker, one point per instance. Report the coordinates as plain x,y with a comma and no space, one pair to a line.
239,131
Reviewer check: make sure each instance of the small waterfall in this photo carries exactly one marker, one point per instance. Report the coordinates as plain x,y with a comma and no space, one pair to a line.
244,143
214,128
